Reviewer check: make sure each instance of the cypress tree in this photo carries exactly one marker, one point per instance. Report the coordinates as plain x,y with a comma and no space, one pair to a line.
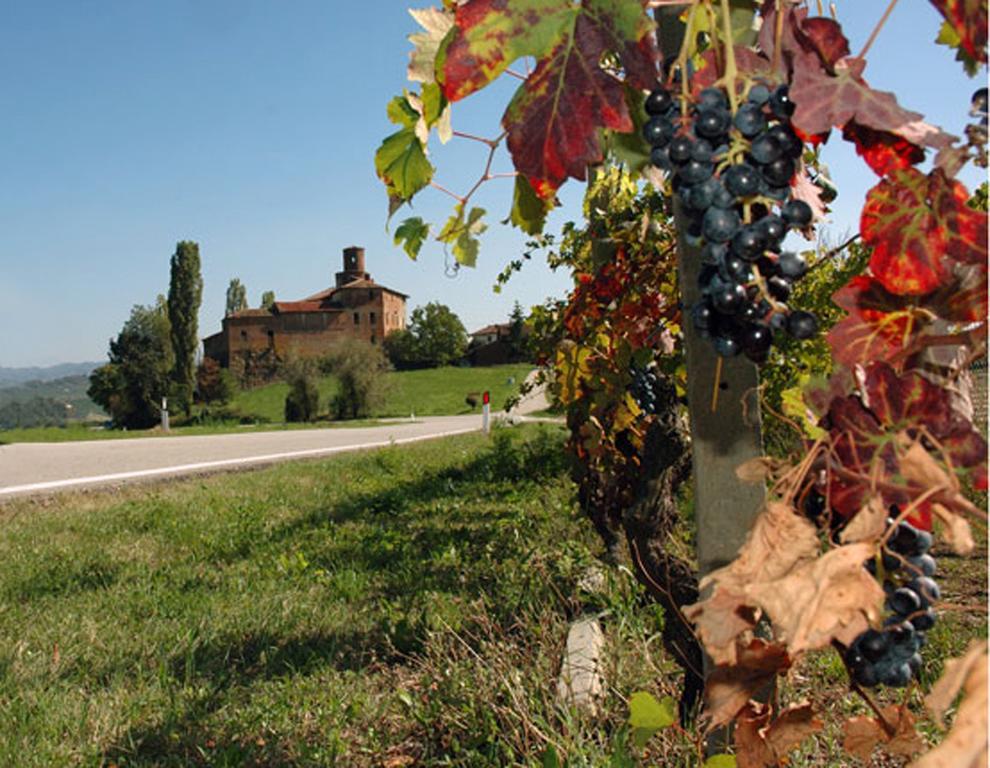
236,297
185,291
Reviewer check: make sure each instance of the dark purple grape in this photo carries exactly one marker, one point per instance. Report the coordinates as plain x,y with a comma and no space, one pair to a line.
756,311
773,228
660,157
801,324
702,151
741,180
927,589
659,101
779,287
680,149
658,131
873,644
720,225
749,243
726,346
701,315
904,601
758,94
866,675
776,193
733,269
750,120
923,565
792,265
712,123
778,321
701,195
923,621
765,149
978,104
729,298
797,213
905,539
779,172
694,172
788,140
898,677
756,340
711,253
712,98
723,198
781,104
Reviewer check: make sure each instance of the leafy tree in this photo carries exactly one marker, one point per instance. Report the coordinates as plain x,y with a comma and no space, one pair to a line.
130,387
439,333
303,400
36,412
268,299
400,347
360,370
236,297
517,323
185,292
213,383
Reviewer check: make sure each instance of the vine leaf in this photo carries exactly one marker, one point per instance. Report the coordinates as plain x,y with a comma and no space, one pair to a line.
762,743
553,121
966,744
878,326
411,234
730,687
488,35
461,233
861,734
647,716
884,152
831,598
949,36
913,222
969,20
529,211
436,23
401,161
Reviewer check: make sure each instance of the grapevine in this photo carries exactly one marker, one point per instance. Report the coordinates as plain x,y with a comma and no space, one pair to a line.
727,129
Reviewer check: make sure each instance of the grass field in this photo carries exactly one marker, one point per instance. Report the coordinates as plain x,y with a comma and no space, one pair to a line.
401,607
430,392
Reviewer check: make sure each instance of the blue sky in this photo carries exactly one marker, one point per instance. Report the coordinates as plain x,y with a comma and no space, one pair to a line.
250,127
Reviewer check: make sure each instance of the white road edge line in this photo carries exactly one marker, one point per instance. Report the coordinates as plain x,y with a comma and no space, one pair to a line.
52,484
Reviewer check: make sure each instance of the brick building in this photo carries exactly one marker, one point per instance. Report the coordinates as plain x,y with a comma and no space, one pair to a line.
356,307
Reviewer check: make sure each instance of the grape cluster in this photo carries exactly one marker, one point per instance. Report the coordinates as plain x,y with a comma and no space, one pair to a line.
977,132
732,173
646,389
891,655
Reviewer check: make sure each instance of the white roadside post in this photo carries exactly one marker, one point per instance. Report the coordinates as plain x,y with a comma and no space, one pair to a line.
165,414
486,409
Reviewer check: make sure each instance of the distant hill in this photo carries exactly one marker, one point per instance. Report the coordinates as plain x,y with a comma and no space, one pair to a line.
12,376
69,390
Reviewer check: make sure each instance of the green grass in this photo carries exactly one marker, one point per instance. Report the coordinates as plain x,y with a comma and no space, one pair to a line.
409,603
430,392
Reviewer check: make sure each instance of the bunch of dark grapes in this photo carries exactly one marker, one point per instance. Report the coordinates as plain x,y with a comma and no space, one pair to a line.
732,173
891,655
646,389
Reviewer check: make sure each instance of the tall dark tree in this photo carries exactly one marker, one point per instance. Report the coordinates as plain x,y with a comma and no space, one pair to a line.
236,297
268,299
517,322
185,291
130,387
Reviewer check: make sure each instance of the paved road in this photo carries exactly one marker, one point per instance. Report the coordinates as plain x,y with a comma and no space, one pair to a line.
33,468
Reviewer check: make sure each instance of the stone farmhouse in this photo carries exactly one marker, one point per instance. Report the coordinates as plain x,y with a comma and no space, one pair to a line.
356,307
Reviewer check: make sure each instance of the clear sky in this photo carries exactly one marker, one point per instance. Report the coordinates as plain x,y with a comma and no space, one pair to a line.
250,126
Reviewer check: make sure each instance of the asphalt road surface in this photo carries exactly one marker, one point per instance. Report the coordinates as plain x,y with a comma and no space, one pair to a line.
40,468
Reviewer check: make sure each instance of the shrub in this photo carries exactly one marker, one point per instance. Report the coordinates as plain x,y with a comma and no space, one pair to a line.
303,400
360,370
213,383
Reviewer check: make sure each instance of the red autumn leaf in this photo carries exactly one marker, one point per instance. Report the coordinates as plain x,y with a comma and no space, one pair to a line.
823,36
969,18
553,121
965,299
878,326
884,152
913,222
749,63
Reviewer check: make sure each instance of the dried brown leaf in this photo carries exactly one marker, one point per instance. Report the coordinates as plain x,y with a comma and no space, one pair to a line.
861,734
832,598
752,750
761,743
966,744
919,467
794,724
779,540
868,524
955,530
719,621
730,687
755,470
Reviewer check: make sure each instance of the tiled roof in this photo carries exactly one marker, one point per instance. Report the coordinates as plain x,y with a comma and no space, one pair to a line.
283,307
250,313
359,283
490,329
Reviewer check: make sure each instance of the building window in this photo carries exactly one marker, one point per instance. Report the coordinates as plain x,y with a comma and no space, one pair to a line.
357,318
271,338
243,335
371,318
371,295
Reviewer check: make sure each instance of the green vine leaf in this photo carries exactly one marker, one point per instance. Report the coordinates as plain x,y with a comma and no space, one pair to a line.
462,234
647,716
720,761
529,212
400,161
411,234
